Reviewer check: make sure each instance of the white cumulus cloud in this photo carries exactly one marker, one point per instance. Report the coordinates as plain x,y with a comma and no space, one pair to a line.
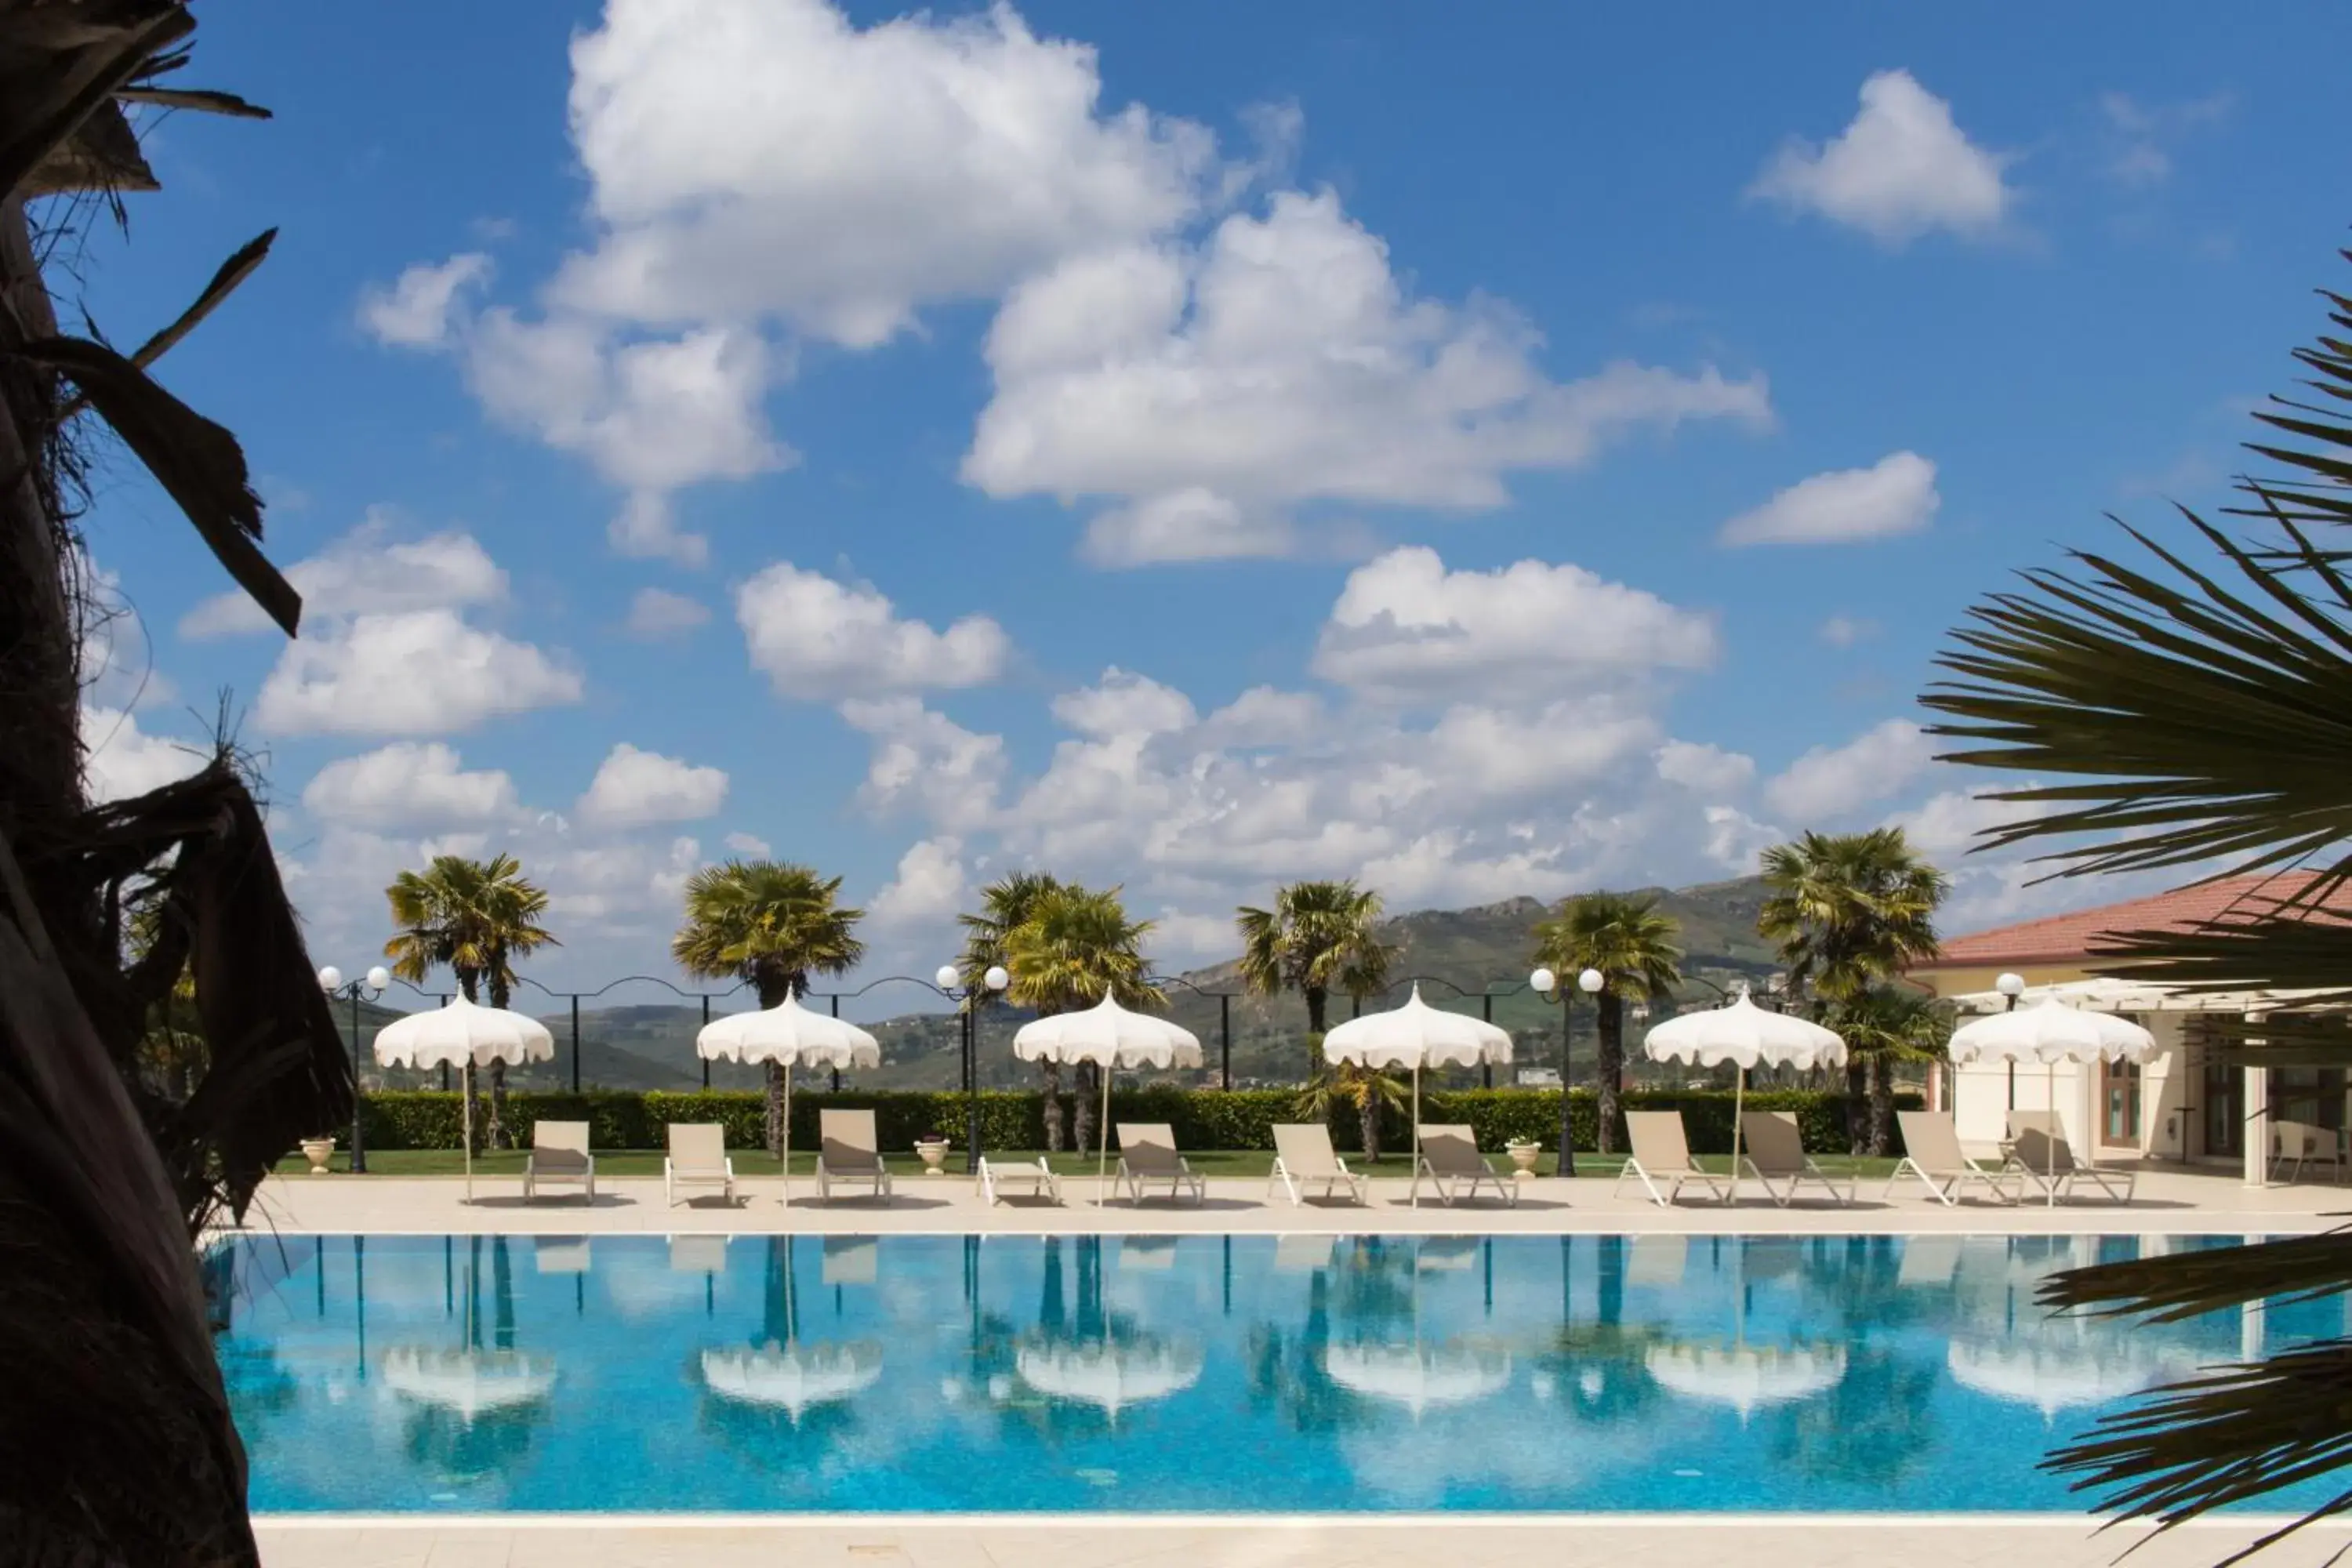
366,572
656,614
409,784
425,672
633,787
929,890
1833,781
121,760
819,639
1895,495
424,305
1900,170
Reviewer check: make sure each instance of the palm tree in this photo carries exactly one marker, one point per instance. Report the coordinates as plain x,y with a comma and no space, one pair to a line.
1074,945
771,924
1849,911
1633,946
1319,937
1366,1090
476,917
1005,905
2200,713
1882,1028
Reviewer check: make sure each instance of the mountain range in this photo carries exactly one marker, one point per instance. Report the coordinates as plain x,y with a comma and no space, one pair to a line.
1457,956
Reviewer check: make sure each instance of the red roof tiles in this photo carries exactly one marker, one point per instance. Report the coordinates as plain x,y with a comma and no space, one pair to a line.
2061,938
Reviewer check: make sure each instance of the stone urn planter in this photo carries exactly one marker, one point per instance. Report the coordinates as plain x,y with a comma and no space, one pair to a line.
318,1151
1523,1159
934,1152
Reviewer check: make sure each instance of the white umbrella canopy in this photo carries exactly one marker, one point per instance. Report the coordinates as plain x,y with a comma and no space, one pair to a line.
470,1382
2048,1033
1416,1036
789,1035
462,1035
1746,1036
794,1378
1109,1374
1419,1376
1746,1377
1110,1036
2057,1376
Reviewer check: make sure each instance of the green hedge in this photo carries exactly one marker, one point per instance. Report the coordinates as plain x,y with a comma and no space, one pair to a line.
1201,1118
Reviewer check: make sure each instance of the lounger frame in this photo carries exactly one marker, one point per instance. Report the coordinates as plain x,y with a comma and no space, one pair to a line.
564,1162
1649,1127
1147,1152
1036,1176
677,1177
1304,1156
1449,1158
849,1151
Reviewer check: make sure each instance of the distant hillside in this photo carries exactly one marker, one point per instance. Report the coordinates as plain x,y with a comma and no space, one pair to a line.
1474,949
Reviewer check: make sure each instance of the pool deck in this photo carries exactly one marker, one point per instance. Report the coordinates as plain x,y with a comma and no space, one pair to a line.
1605,1541
2168,1202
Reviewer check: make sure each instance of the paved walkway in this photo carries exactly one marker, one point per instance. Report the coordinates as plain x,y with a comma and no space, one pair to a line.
1836,1541
2168,1202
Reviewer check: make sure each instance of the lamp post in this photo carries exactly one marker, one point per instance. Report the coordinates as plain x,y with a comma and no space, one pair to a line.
968,1000
1548,984
370,986
2012,986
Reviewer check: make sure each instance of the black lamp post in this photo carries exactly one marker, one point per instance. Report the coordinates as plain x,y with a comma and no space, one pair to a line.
968,999
1544,983
370,986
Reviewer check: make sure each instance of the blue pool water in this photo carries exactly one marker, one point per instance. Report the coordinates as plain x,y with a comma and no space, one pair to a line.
1205,1373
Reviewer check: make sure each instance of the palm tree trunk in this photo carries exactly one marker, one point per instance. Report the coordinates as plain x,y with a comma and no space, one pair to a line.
773,1124
1368,1118
1882,1106
1315,996
1857,1104
1053,1070
1609,1067
1088,1084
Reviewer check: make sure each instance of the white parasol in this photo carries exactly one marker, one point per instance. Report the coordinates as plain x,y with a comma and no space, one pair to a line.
793,1378
1110,1036
1414,1036
2053,1374
1745,1376
470,1382
789,1035
1418,1376
2048,1033
1109,1374
459,1034
1745,1035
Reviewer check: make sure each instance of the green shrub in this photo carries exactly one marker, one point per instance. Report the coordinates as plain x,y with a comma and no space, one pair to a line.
1201,1118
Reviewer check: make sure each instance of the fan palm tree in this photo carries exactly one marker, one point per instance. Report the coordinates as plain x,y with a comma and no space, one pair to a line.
1319,938
1005,905
476,917
1884,1028
1633,946
1075,945
2197,712
1369,1091
1849,911
770,924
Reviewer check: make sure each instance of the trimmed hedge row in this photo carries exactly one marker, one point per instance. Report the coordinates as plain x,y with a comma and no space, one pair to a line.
1201,1118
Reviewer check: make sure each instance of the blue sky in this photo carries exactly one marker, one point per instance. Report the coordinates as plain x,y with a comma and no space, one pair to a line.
1481,450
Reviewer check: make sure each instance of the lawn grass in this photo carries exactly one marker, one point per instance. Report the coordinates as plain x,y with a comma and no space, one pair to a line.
1240,1164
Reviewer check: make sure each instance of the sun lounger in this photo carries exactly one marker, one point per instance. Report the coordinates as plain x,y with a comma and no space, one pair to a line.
1147,1152
1032,1176
1929,1262
1931,1152
1449,1157
2045,1158
2299,1143
1148,1252
1446,1254
697,1158
1297,1253
848,1150
1774,1153
1660,1155
559,1157
561,1254
848,1260
698,1255
1303,1154
1657,1260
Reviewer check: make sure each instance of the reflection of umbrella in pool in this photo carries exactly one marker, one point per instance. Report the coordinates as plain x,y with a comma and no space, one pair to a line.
1109,1374
793,1378
1419,1376
2053,1374
1746,1377
469,1383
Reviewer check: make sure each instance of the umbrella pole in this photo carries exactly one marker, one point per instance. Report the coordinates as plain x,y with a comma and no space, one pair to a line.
2050,1144
1738,1106
466,1084
1102,1141
1415,1172
784,1133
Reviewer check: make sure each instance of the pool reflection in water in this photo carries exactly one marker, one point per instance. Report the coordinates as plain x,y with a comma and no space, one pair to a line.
1206,1372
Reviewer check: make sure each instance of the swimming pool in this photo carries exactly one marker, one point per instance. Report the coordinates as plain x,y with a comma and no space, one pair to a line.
1196,1374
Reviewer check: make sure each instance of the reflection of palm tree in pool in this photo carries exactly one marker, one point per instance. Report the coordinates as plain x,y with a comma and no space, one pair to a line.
1597,1370
450,1435
1287,1372
1872,1427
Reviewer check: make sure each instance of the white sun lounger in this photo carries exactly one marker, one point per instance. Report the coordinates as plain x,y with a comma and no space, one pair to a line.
1775,1155
850,1151
1660,1155
1035,1177
1303,1154
697,1158
1931,1152
2043,1157
1449,1158
1147,1152
559,1157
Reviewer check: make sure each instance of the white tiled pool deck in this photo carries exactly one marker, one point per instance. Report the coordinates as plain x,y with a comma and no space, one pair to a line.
2168,1202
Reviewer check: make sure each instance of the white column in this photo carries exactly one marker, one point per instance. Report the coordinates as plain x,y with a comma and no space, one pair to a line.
2257,1128
2252,1319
